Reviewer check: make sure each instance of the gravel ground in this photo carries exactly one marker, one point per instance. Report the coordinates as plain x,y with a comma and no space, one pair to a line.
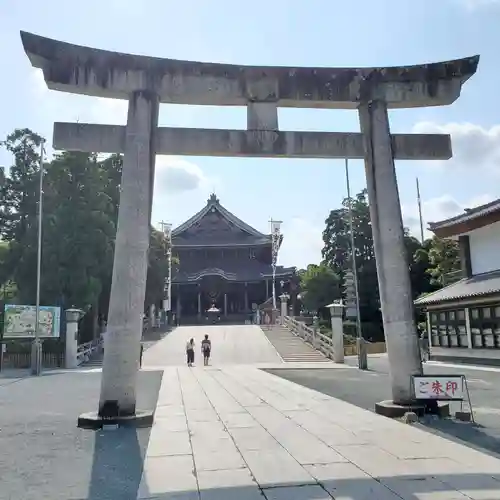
43,455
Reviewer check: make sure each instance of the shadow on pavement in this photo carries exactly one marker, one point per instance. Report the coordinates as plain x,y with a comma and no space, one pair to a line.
118,463
473,434
119,454
361,486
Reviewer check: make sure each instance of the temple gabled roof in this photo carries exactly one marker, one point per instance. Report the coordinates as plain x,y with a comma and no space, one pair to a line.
214,225
470,219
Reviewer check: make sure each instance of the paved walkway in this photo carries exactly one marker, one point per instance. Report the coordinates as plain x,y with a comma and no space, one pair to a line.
240,433
240,345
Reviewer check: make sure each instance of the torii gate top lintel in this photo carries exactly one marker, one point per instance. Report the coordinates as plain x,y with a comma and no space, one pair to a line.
84,70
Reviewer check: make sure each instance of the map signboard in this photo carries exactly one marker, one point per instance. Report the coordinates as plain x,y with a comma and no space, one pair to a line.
19,321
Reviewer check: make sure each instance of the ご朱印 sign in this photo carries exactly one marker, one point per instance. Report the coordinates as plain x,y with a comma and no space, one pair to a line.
439,387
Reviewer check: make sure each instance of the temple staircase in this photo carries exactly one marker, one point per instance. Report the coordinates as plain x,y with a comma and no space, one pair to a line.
290,347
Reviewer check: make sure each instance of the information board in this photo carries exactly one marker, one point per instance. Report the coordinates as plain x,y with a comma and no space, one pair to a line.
20,321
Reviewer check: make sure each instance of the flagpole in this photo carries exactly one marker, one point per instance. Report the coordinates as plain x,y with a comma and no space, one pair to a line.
36,361
362,360
420,213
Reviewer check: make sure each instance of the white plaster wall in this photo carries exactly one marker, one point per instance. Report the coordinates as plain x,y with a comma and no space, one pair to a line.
485,248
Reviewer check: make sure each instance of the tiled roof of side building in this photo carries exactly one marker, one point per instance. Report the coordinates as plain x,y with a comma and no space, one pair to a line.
214,225
476,286
467,215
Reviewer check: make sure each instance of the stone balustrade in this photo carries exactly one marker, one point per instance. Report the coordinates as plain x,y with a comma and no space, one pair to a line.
323,343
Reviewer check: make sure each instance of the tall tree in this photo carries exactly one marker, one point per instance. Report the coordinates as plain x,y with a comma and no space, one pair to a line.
79,208
320,286
19,190
443,257
337,251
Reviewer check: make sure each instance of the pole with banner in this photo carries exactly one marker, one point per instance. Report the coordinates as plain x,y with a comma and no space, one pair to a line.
167,303
275,242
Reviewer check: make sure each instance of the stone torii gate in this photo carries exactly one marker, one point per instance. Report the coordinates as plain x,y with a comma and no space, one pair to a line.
147,81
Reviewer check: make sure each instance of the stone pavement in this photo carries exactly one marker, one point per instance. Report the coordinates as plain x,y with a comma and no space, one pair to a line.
231,344
239,433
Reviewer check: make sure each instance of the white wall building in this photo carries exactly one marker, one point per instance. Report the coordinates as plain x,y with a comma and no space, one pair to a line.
463,318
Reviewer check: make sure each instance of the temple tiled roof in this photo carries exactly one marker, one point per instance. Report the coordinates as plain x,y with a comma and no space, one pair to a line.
476,286
232,271
469,214
213,226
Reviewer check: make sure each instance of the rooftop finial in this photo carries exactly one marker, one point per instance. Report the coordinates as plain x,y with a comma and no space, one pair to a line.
213,198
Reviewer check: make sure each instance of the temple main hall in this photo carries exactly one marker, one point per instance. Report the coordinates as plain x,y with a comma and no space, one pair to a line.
224,264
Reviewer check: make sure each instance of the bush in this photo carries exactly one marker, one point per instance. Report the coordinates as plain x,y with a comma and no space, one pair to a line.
373,332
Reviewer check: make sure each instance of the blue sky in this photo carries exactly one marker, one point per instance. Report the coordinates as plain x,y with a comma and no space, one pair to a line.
266,32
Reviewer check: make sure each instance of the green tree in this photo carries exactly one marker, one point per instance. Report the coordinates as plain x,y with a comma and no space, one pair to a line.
320,285
337,254
418,258
337,251
78,230
80,212
443,257
19,190
19,193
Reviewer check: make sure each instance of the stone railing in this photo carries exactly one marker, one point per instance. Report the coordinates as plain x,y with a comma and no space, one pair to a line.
87,349
324,343
310,335
371,348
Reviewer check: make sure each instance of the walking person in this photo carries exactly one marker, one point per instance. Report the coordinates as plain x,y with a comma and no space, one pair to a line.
424,347
206,347
190,352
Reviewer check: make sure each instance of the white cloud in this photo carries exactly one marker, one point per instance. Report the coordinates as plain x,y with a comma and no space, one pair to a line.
302,243
476,4
436,209
473,146
175,175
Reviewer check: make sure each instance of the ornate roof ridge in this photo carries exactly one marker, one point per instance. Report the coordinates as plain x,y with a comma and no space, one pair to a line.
213,202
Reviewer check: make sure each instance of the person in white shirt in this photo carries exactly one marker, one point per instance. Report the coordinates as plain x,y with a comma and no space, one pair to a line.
190,352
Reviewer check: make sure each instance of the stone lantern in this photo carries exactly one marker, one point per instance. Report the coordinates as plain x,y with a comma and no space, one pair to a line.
336,313
73,316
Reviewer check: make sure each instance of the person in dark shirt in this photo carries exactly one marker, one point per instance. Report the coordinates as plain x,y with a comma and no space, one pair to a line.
206,347
424,347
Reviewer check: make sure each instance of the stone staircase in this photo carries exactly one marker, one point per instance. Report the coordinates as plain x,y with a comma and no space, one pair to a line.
94,362
290,347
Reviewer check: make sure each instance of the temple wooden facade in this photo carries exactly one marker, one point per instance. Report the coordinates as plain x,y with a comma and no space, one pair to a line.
223,263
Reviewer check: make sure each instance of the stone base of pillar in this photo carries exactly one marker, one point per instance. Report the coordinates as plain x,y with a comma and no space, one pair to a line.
94,421
393,410
36,357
